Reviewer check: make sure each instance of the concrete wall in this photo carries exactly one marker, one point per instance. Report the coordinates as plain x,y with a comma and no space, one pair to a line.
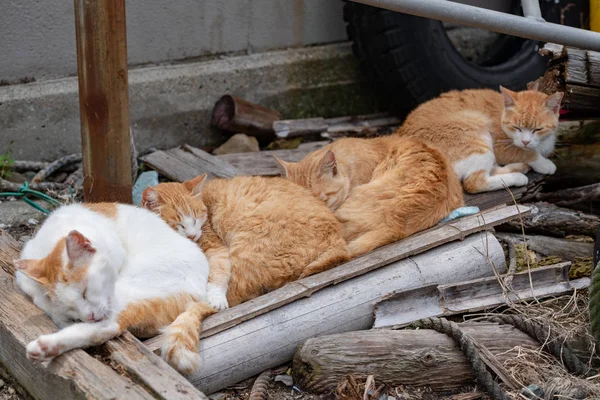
37,38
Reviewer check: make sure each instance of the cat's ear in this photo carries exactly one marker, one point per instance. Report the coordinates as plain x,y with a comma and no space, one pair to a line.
328,165
284,167
535,85
34,269
509,100
79,249
553,102
195,185
150,198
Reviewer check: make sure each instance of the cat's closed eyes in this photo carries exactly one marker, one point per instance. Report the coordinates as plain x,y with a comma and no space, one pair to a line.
100,269
492,139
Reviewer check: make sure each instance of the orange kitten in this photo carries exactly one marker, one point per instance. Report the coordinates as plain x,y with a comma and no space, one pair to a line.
491,138
381,189
258,233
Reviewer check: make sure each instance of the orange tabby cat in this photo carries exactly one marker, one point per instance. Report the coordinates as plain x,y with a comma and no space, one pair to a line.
480,129
257,233
381,189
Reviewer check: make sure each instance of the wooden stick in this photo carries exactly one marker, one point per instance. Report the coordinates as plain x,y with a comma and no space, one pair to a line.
103,100
237,115
550,246
549,219
406,357
569,197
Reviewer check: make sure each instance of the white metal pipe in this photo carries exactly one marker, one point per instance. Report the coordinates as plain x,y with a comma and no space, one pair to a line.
476,17
531,9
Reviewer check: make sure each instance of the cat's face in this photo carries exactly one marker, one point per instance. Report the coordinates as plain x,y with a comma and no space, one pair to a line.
180,205
321,176
530,117
76,277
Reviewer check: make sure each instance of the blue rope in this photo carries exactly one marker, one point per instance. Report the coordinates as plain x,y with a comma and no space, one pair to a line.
24,191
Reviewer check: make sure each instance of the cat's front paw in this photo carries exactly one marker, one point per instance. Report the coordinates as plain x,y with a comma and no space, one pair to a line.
519,179
543,166
216,297
44,349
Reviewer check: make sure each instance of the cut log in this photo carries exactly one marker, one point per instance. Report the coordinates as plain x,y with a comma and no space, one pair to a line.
76,375
551,220
549,246
406,357
227,357
576,73
241,116
360,126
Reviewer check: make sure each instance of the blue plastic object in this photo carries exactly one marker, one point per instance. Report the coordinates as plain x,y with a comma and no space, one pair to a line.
145,180
460,212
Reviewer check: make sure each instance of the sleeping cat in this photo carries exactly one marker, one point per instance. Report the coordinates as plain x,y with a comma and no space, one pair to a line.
100,269
491,138
381,189
258,233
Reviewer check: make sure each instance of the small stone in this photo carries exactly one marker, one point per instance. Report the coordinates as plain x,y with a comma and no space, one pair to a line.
3,226
33,221
11,390
238,143
17,177
1,383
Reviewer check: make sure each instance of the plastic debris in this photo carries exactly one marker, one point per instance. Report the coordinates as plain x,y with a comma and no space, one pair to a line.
285,379
461,212
145,180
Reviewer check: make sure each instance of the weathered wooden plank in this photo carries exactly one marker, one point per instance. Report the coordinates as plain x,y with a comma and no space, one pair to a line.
404,308
148,368
270,339
263,163
421,357
9,250
186,162
503,196
74,375
416,244
159,380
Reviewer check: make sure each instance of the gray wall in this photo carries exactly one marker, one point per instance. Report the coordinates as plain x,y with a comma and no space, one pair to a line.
37,37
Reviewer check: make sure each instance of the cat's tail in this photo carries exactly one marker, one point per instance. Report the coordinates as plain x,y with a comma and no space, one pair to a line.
335,255
182,338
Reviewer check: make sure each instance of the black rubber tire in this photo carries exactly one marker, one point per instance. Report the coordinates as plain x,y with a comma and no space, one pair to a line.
410,60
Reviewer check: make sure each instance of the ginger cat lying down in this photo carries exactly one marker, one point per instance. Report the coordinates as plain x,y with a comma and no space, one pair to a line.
491,138
257,233
382,189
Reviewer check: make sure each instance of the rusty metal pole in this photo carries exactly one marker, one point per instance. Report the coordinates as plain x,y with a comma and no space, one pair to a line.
103,99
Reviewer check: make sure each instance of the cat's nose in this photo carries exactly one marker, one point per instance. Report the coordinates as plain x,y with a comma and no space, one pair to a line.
525,142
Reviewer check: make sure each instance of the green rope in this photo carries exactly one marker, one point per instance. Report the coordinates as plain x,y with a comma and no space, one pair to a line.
24,192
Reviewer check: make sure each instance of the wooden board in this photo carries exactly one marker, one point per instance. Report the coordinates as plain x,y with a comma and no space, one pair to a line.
186,162
77,375
269,340
263,163
465,297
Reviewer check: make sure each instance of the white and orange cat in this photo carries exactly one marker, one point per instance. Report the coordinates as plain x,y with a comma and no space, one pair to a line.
258,233
100,269
381,189
492,139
